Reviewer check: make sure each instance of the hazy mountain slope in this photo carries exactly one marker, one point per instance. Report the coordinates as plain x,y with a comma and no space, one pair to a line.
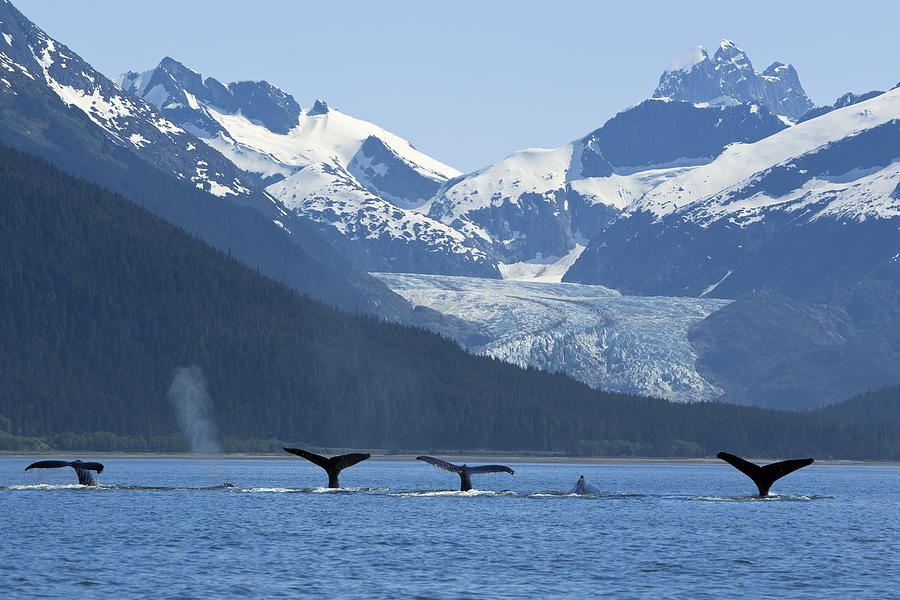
770,350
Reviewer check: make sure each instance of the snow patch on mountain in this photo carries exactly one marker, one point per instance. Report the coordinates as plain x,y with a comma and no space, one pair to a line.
546,269
689,60
739,162
534,171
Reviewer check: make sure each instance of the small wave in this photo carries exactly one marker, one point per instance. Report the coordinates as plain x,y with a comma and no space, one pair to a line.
769,498
318,490
451,494
561,494
48,486
262,490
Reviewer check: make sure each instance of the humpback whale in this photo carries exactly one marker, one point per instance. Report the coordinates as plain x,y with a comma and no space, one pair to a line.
766,475
465,483
82,469
333,466
583,488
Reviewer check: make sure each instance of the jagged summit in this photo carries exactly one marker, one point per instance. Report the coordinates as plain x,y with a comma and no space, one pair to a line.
729,77
172,85
319,108
728,50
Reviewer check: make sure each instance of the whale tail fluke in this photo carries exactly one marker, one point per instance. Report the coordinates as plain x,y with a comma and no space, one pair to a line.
48,464
766,475
333,466
465,483
348,460
491,469
459,468
313,458
82,469
441,464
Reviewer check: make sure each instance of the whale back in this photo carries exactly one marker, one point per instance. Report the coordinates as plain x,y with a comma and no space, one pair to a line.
583,488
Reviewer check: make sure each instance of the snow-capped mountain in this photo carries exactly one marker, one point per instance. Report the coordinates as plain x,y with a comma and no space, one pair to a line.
362,185
729,77
633,344
392,208
539,205
55,105
26,52
817,202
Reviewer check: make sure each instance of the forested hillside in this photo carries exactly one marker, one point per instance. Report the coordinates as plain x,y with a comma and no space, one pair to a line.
100,301
879,408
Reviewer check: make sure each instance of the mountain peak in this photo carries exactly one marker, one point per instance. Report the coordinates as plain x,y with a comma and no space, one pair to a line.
185,77
170,64
730,76
727,47
319,108
176,83
729,55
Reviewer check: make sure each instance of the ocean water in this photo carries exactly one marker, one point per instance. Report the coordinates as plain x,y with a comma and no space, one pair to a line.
398,530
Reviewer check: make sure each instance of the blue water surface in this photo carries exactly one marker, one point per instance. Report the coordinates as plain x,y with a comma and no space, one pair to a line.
657,531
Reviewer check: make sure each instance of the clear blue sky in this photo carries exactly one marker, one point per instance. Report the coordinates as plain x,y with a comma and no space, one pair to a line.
469,82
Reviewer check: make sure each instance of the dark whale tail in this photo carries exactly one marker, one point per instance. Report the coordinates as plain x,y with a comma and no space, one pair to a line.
82,469
465,482
766,475
333,466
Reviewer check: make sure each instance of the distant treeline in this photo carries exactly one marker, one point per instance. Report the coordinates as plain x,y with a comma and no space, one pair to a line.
105,441
879,409
100,301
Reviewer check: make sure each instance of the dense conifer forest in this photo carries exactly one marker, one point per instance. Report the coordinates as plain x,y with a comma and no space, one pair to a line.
100,302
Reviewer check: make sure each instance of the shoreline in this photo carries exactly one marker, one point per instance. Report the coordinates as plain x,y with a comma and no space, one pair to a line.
462,457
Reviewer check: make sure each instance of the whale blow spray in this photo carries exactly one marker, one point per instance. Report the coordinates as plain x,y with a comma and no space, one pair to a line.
192,407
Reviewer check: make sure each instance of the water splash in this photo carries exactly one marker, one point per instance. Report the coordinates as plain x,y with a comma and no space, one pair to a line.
192,407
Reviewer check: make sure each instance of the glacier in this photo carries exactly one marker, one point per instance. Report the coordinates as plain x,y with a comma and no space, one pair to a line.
632,344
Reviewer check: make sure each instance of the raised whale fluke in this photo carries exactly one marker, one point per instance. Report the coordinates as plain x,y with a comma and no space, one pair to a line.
333,466
82,469
465,483
766,475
